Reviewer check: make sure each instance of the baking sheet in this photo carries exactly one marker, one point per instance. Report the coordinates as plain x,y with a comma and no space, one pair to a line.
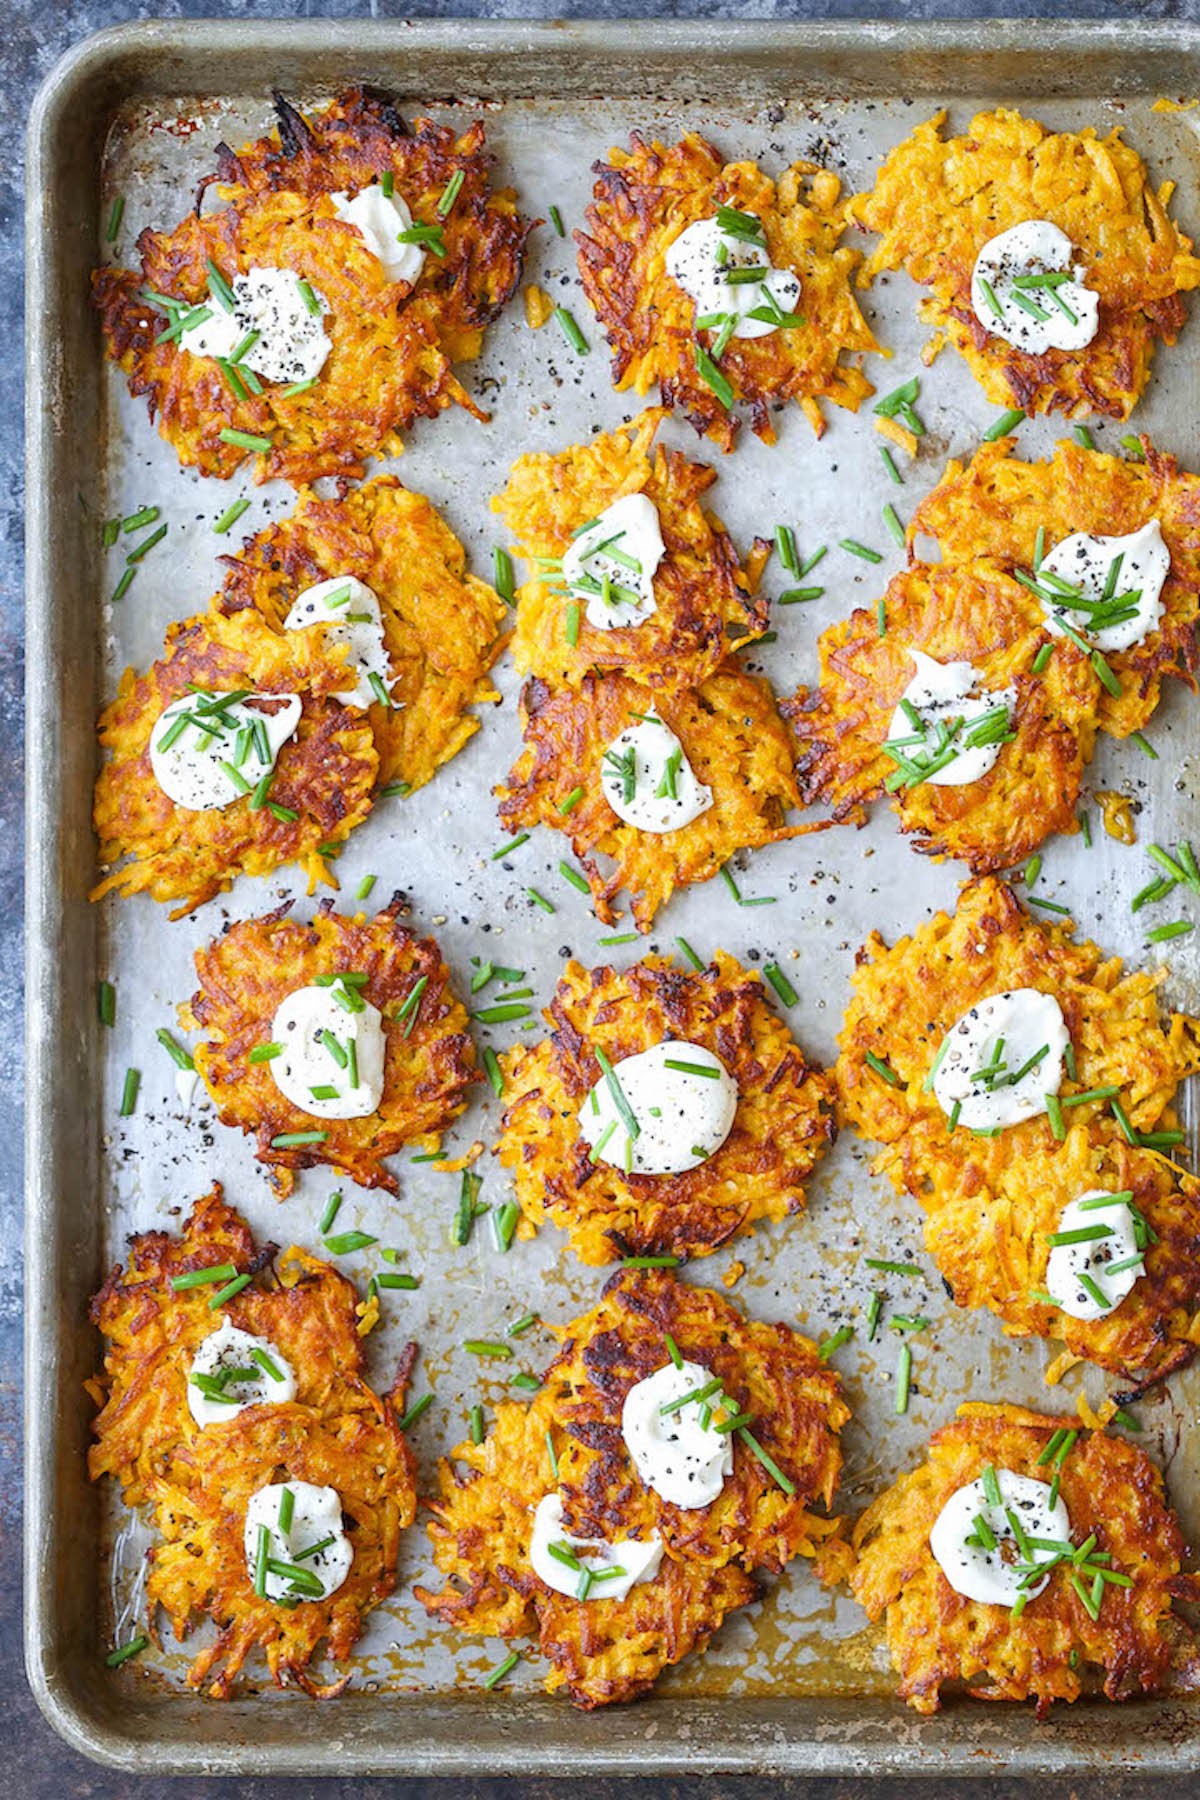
802,1645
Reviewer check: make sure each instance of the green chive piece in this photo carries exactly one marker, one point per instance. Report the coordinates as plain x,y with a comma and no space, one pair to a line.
450,193
291,1140
1084,438
106,1002
893,1268
414,1412
347,1241
889,464
1007,422
110,237
565,320
1132,447
863,551
883,1069
892,520
779,981
502,1669
574,877
556,221
129,1092
541,900
245,440
690,955
903,1379
364,887
134,1647
228,1292
1161,934
502,574
194,1278
769,1464
1144,745
179,1056
836,1339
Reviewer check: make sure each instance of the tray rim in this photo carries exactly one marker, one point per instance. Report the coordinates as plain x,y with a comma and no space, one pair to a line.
523,1734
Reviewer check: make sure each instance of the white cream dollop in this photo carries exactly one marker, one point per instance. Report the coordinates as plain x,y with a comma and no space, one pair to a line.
316,1515
205,766
1071,310
637,1558
683,1117
292,342
940,694
685,1461
349,611
328,1035
993,1577
1086,561
1067,1262
1020,1023
624,544
379,218
649,782
228,1349
701,259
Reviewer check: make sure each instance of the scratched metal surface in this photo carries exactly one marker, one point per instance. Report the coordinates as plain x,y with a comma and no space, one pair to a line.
437,847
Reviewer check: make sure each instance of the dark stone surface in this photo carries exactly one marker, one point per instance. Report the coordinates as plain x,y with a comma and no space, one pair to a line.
33,1764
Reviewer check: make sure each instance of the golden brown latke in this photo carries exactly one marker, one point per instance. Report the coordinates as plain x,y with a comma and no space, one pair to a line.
781,1129
988,1199
644,199
937,201
734,739
1054,1650
442,627
337,1433
610,1650
978,614
429,1060
393,345
994,505
704,603
325,773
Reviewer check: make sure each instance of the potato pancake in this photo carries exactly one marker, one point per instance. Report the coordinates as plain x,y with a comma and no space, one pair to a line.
443,628
568,1440
428,1059
781,1128
937,202
976,614
703,601
995,505
645,198
1064,1642
734,741
993,1197
322,786
335,1433
393,342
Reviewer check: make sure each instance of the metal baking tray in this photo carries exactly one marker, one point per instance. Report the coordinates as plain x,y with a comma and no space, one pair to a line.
795,1686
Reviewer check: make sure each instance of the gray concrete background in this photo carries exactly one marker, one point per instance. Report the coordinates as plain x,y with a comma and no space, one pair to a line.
33,1764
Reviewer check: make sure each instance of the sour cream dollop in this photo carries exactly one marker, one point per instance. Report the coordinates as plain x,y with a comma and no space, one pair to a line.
292,342
329,1035
624,544
227,1356
1020,1023
1094,1257
637,1559
316,1515
1143,563
207,765
349,611
701,260
1071,311
993,1576
683,1116
685,1461
649,782
379,219
941,693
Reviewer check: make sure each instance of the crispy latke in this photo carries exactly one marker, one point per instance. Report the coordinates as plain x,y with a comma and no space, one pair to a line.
1054,1650
994,505
937,201
442,627
325,772
782,1127
977,614
988,1200
336,1433
611,1650
704,604
734,739
644,198
429,1060
393,345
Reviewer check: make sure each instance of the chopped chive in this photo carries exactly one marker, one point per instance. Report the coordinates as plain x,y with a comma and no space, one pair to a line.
556,221
179,1056
468,1198
262,1053
520,1326
1054,1113
991,1485
827,1346
488,1347
502,1669
528,1384
712,377
393,1279
106,1002
229,1291
890,465
245,440
1042,658
1001,427
1084,438
769,1464
134,1647
123,586
779,981
1144,745
504,1225
507,849
261,1558
311,303
502,574
1162,933
110,236
450,194
477,1424
129,1092
290,1140
541,900
571,802
892,520
689,953
574,877
193,1278
903,1379
883,1069
570,330
499,1014
347,1241
493,1071
798,597
893,1268
863,551
387,182
148,543
136,520
415,1411
649,1262
1132,447
620,937
112,531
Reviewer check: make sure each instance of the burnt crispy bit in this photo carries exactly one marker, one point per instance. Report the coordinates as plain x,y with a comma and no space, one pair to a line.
606,1650
393,346
644,198
1054,1649
703,598
322,786
989,1201
429,1059
781,1129
937,201
442,627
